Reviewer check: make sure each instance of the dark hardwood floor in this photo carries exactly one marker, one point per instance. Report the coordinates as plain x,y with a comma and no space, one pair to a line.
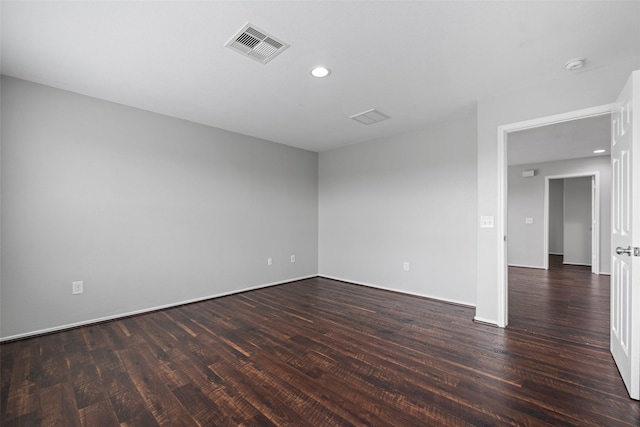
311,353
566,302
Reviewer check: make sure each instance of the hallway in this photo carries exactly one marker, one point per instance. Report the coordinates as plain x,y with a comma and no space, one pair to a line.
565,302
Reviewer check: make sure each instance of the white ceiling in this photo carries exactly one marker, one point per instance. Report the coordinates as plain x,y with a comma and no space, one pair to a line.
560,141
416,61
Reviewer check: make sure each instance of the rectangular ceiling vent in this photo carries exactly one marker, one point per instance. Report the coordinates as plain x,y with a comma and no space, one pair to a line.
256,44
370,117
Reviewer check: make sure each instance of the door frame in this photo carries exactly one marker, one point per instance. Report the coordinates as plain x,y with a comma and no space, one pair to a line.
503,131
595,208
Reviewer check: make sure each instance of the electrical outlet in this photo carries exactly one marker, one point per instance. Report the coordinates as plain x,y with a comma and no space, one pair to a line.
77,287
405,266
269,261
293,258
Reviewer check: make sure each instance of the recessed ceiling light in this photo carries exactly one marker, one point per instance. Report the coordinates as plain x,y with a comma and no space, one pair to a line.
599,151
575,63
320,72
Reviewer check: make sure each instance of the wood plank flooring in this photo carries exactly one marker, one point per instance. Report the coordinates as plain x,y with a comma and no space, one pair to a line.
315,352
566,302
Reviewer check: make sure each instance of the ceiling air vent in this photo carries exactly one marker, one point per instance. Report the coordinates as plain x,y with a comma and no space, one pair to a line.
370,117
256,44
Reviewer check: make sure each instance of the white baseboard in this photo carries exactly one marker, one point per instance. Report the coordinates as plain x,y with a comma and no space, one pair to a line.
486,321
386,288
539,267
576,263
145,310
555,253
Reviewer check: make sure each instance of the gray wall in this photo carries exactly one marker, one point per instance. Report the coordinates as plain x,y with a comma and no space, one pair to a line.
146,209
526,199
598,85
89,188
556,216
577,222
411,199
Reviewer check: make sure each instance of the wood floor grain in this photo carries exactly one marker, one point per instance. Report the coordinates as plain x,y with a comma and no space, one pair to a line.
315,352
565,301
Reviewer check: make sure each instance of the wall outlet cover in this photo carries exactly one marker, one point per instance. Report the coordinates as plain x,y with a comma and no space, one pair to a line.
77,287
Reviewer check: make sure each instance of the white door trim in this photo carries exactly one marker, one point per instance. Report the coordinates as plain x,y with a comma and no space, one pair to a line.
503,131
595,206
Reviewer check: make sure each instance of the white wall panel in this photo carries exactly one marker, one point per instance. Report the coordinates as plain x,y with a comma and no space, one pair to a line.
411,199
147,210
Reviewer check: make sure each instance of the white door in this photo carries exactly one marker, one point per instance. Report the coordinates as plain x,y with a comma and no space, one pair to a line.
595,241
625,236
578,221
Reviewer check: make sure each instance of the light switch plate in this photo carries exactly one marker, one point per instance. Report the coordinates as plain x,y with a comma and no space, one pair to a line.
486,222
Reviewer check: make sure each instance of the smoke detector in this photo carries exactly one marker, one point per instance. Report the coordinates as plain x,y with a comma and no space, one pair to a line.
575,63
369,117
256,44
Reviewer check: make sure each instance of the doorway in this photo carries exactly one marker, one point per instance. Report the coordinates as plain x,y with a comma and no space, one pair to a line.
503,132
551,302
572,219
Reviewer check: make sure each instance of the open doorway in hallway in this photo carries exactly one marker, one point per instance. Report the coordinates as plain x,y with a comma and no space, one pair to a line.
552,290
